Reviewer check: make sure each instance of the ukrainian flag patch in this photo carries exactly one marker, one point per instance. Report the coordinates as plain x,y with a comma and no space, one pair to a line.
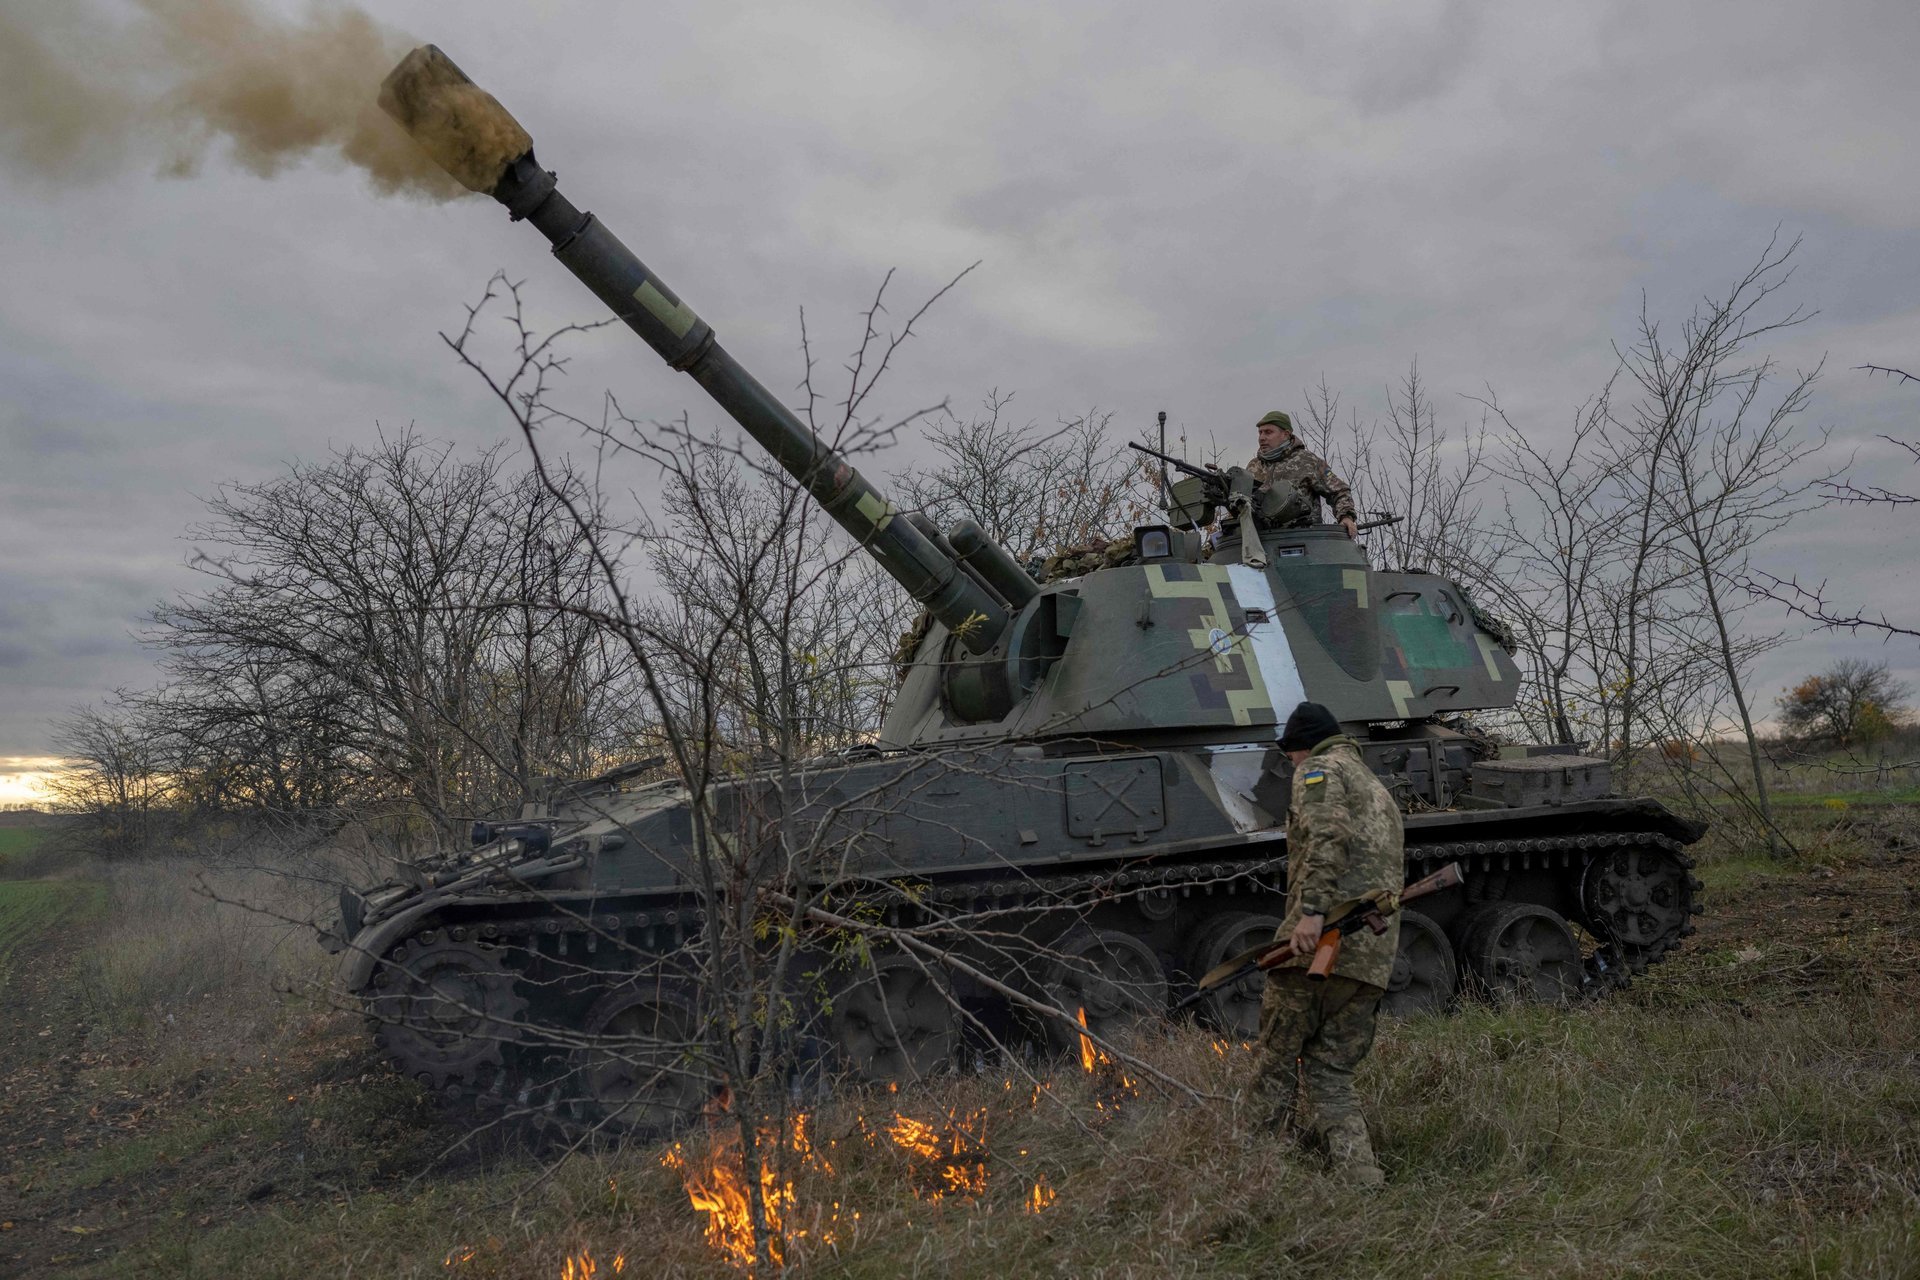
1310,776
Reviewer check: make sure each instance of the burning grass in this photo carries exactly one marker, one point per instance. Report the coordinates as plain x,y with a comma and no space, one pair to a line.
798,1204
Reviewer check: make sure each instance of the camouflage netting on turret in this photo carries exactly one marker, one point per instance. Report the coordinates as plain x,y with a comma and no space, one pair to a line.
1500,628
909,644
1072,562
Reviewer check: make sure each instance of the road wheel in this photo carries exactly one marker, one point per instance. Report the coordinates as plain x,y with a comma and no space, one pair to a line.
641,1071
1425,973
1114,979
894,1020
1234,1008
1523,952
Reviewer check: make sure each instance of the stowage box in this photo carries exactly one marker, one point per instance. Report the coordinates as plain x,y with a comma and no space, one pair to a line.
1547,779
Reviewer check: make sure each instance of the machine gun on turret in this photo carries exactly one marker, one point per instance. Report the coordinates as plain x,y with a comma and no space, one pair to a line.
1192,501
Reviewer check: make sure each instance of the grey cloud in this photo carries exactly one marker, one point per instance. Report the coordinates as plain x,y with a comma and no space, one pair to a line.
1198,215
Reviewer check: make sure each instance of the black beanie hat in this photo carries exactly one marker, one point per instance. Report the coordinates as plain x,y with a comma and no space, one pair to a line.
1310,725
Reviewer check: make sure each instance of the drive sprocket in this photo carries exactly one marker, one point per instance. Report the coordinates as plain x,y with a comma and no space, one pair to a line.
445,1009
1643,899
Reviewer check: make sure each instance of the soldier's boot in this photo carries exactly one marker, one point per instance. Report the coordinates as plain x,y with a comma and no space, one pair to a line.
1276,1111
1350,1152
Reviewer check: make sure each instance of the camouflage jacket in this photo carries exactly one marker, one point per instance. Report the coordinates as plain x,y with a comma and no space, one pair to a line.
1314,478
1344,839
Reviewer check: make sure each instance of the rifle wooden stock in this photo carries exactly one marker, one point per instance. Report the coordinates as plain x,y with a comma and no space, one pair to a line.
1271,955
1324,955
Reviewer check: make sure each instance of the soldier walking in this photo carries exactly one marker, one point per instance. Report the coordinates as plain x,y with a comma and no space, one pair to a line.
1344,840
1283,457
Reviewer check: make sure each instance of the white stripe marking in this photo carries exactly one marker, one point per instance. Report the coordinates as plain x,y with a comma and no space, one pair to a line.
1269,641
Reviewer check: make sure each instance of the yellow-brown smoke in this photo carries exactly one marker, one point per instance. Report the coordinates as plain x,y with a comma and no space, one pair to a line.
466,131
187,78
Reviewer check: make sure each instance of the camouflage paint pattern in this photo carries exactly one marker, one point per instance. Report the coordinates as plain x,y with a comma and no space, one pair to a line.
1175,645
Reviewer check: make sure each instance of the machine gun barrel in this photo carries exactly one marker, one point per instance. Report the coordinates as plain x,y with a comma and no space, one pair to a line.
475,139
1205,473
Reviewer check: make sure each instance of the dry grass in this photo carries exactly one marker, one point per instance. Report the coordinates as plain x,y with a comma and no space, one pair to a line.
1752,1108
1657,1135
193,963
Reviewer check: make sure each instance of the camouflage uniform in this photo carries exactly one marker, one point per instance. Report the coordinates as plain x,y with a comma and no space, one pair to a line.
1344,839
1312,476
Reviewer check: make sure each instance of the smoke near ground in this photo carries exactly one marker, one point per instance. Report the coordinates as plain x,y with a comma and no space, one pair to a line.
184,80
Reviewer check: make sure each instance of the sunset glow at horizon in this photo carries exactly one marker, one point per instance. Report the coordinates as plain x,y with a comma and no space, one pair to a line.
23,780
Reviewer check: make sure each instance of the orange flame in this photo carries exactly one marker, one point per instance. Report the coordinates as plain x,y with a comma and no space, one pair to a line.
942,1162
581,1266
1090,1055
718,1187
945,1158
1097,1061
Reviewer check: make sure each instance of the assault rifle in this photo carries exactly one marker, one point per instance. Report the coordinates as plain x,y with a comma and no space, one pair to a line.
1370,912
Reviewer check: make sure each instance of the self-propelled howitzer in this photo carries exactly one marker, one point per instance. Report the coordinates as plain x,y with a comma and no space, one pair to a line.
1094,756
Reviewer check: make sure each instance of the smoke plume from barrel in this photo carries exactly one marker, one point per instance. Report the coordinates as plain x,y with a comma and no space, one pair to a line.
185,79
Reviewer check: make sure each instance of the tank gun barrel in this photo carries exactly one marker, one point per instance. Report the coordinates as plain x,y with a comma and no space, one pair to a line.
475,139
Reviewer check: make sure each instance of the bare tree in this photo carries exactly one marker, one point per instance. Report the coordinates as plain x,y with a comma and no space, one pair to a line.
750,621
1034,490
1429,477
117,778
1810,600
1717,461
1552,546
396,623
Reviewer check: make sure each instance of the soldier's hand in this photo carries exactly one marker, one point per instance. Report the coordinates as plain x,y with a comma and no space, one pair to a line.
1347,523
1306,935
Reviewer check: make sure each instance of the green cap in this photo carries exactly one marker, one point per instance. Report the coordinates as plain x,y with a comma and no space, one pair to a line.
1277,418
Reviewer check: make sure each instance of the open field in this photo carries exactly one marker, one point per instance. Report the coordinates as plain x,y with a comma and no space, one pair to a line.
1751,1108
30,909
18,841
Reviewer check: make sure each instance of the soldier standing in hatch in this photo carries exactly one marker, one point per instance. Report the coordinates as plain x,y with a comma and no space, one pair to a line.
1283,457
1344,840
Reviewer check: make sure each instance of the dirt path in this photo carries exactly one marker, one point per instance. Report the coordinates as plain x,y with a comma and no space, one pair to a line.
42,1113
155,1139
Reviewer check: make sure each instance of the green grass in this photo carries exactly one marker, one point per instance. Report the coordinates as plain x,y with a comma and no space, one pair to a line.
1721,876
28,908
1652,1136
18,841
1846,799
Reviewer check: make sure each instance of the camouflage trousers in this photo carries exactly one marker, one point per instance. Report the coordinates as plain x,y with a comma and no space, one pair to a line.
1317,1032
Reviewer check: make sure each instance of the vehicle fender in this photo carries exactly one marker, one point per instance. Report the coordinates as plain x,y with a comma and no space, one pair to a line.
364,949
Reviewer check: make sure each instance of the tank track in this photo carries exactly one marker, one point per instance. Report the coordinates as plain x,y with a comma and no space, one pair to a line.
573,942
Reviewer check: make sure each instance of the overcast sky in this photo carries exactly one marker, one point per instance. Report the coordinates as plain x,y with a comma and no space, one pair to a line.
1202,210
